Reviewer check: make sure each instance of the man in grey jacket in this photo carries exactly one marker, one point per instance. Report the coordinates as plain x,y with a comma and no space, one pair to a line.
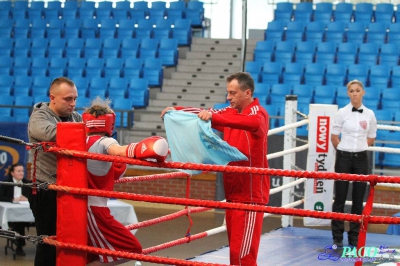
42,127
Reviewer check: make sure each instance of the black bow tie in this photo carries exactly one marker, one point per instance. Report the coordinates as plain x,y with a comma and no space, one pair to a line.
357,110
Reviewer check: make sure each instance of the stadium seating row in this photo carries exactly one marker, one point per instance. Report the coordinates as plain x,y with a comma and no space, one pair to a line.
338,31
192,10
327,11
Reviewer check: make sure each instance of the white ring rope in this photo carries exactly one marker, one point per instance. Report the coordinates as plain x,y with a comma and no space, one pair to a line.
281,153
388,185
291,184
222,228
386,127
384,149
379,205
304,147
286,127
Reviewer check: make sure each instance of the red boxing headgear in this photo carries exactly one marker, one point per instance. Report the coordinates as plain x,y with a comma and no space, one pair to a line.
102,123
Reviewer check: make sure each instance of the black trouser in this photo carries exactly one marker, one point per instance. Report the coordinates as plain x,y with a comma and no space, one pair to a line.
44,209
19,227
351,163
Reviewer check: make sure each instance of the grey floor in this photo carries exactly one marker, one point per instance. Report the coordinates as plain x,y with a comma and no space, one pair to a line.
168,231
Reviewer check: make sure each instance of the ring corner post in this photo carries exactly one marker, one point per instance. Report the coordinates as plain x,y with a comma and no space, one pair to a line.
71,208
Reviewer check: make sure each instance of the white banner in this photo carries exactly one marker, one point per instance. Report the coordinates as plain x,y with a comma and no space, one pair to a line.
321,158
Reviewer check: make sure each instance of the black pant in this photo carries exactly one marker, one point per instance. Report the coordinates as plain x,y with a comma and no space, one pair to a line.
19,227
351,163
44,209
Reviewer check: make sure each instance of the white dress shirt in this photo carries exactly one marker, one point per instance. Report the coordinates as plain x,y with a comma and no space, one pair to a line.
17,190
354,127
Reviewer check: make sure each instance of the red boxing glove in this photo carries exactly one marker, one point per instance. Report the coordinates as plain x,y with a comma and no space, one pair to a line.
150,149
119,170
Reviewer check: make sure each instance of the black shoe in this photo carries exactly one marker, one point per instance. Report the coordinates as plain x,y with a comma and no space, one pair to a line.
338,243
20,252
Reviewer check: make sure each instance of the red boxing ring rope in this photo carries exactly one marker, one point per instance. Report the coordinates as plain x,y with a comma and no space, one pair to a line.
225,205
126,255
74,155
372,179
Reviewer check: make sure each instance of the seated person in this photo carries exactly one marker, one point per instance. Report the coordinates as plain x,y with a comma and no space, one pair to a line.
16,194
103,229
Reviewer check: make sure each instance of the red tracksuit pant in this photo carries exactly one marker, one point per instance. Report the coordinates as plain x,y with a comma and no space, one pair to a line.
244,232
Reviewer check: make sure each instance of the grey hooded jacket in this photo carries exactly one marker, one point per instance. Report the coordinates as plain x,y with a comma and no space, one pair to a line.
42,127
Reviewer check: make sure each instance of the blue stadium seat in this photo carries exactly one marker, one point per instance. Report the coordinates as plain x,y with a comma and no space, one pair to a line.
335,74
6,61
152,71
347,59
379,76
253,66
6,43
6,84
364,12
294,31
23,100
293,73
314,74
114,63
93,93
139,98
284,51
111,72
136,63
325,94
138,84
303,12
343,12
262,88
389,54
118,84
304,93
264,48
275,30
68,14
283,11
384,12
121,106
141,5
40,98
390,100
314,31
305,52
182,31
98,83
278,93
359,72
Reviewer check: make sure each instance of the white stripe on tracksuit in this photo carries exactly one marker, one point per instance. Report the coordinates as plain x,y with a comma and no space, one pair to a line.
254,110
247,240
97,237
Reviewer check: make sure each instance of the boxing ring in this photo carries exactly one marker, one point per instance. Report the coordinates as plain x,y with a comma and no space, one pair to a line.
286,246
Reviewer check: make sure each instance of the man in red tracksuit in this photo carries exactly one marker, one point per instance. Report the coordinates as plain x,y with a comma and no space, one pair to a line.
245,126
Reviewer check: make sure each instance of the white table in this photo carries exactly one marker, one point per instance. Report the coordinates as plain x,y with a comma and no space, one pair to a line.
16,212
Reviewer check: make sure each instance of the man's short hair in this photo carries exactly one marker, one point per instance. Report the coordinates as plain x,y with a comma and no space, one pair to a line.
60,80
244,79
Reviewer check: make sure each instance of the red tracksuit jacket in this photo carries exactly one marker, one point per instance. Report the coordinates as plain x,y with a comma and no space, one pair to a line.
247,131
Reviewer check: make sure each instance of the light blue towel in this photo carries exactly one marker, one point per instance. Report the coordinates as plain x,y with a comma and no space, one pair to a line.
192,140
